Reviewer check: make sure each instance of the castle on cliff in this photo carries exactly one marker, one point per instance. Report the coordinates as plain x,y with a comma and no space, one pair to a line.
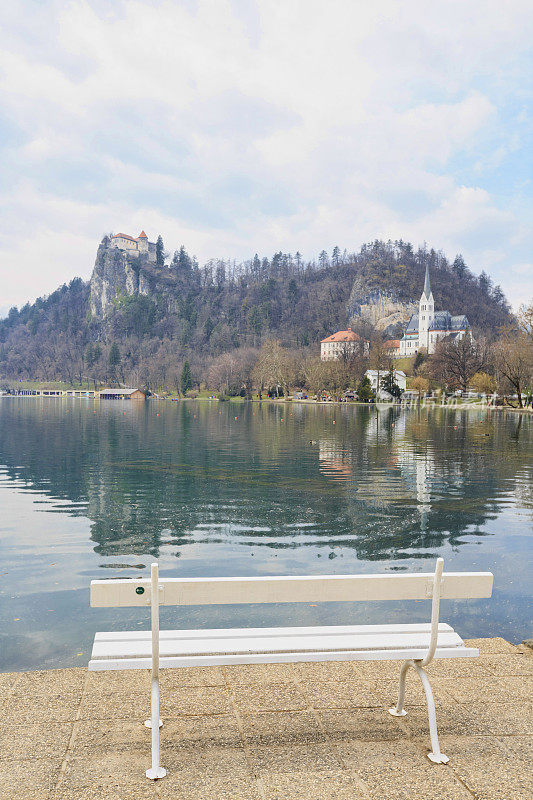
428,326
132,246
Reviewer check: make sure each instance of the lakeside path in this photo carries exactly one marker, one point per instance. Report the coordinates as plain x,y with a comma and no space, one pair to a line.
272,732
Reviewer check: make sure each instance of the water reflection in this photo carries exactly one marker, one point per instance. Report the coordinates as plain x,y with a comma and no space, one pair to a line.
257,489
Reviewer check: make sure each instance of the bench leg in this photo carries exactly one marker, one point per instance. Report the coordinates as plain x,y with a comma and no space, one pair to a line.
436,756
156,771
398,710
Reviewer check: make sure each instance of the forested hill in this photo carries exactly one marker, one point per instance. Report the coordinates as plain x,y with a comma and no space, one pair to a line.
160,315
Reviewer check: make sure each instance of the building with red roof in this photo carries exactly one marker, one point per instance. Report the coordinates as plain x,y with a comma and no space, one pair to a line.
392,347
134,246
342,344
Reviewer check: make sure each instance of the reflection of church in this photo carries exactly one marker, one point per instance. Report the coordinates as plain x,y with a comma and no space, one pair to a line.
418,471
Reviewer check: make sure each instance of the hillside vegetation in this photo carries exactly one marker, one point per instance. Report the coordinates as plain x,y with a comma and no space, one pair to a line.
190,313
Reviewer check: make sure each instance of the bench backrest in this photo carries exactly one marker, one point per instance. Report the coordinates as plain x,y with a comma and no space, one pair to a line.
288,589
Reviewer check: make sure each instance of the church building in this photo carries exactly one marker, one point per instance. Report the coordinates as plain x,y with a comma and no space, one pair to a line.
428,326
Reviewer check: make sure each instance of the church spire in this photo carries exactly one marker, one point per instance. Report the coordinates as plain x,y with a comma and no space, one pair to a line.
427,285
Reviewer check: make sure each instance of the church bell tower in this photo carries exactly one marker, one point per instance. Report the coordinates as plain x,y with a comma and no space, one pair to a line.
426,313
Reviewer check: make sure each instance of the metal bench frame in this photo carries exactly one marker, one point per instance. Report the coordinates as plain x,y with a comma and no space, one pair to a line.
207,591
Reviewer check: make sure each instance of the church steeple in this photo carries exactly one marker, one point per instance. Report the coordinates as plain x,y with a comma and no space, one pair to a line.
427,285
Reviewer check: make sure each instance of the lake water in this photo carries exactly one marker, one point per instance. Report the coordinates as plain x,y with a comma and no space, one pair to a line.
94,489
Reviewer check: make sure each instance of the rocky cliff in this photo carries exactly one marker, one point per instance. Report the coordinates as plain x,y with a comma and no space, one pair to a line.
383,310
117,275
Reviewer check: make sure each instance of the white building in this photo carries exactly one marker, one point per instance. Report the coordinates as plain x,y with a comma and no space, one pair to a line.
134,247
428,326
375,376
342,344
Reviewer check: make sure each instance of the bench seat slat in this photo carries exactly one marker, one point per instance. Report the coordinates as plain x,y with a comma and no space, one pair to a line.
224,633
278,658
181,644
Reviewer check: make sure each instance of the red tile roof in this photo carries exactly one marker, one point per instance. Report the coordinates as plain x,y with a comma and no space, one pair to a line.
343,336
123,236
142,235
391,344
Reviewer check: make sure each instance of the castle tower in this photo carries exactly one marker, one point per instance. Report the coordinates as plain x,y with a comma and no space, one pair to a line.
426,313
142,242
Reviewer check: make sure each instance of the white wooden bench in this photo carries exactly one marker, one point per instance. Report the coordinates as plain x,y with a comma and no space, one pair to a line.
416,644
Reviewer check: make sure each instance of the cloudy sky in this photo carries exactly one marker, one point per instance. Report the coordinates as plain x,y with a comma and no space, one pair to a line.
235,126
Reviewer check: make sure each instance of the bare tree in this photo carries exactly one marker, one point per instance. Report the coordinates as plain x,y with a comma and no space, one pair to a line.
525,319
231,371
456,361
313,372
275,368
514,361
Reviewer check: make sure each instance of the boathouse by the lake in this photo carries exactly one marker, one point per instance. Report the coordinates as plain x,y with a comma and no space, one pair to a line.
121,394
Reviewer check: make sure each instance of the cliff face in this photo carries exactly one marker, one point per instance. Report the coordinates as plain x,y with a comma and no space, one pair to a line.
115,276
381,309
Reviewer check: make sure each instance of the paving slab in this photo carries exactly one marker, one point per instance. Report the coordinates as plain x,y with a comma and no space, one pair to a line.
316,785
494,645
104,775
290,757
53,707
491,690
222,761
367,725
507,665
269,697
272,732
289,727
400,771
28,780
484,766
204,787
345,694
31,742
7,681
245,674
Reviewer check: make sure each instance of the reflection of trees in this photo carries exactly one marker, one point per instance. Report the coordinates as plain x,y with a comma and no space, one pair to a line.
389,484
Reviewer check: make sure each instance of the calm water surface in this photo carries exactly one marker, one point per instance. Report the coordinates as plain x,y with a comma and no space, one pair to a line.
100,489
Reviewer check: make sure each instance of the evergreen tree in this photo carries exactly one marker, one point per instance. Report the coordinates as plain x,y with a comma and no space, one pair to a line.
114,356
114,360
364,389
323,259
336,256
459,266
184,260
388,384
92,354
485,283
159,252
417,363
186,378
220,275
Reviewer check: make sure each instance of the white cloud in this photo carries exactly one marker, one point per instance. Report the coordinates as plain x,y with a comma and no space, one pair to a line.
236,128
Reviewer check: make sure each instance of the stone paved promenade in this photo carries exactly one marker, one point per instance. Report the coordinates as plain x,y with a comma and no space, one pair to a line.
297,732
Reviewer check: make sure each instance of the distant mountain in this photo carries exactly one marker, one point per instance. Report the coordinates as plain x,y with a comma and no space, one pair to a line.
159,315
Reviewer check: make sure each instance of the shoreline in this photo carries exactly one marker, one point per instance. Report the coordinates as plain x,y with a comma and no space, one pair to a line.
285,400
